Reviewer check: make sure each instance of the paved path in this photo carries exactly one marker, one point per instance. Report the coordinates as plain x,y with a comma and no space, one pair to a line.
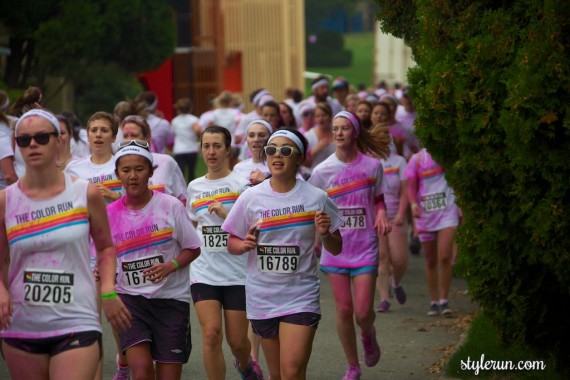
413,344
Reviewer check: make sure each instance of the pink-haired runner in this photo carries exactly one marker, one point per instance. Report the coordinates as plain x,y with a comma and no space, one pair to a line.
437,217
155,243
354,180
49,319
275,223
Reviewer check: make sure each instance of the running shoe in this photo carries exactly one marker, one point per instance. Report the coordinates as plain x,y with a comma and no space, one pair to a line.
371,348
253,371
400,294
433,310
445,310
353,372
383,307
122,373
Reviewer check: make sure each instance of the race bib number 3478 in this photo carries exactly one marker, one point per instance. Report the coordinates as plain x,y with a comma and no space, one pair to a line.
48,287
278,258
353,218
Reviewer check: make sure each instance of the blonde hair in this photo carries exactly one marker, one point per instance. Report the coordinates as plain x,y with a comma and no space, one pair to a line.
375,142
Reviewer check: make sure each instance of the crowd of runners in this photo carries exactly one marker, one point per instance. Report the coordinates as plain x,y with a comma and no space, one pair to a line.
109,219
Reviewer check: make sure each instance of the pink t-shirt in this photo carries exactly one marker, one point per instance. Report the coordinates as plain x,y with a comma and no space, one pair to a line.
353,187
434,197
394,171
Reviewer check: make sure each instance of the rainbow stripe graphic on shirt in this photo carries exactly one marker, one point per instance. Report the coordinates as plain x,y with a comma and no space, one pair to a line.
339,191
47,224
430,173
224,198
144,241
161,188
288,221
392,170
113,185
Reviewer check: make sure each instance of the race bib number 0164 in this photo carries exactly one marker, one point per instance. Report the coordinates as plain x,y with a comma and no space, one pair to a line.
48,287
133,271
278,259
353,218
434,202
214,237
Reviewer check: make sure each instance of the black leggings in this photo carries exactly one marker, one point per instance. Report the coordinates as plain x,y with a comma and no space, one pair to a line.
187,160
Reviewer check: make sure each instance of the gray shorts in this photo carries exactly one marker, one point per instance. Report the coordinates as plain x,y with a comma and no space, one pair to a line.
164,323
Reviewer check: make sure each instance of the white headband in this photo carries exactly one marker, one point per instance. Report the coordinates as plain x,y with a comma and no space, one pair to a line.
306,106
264,99
40,113
133,149
351,118
258,96
291,136
262,122
319,83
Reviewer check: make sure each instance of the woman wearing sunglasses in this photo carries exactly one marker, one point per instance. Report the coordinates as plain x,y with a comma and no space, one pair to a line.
218,278
49,320
252,169
275,223
155,243
353,178
167,176
99,167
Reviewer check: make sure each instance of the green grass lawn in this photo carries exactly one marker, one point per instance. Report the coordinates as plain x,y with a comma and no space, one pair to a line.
483,339
362,47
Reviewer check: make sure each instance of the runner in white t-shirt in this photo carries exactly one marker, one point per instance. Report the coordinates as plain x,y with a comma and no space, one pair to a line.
167,177
49,320
275,223
155,243
99,167
218,277
393,252
354,180
253,169
187,129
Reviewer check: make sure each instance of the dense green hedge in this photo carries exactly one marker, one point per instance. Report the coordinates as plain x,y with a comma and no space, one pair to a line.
492,90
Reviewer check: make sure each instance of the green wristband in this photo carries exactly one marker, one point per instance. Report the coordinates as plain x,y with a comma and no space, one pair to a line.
175,262
108,296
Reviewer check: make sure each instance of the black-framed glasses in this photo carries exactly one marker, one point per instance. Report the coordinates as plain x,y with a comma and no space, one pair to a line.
285,151
141,143
24,141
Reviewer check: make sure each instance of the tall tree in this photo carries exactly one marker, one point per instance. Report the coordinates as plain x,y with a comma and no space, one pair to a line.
64,37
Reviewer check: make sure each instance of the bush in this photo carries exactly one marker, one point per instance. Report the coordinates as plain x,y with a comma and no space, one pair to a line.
492,89
328,51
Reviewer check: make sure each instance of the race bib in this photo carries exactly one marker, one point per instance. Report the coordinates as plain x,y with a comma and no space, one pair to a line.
278,258
434,202
353,218
46,287
214,237
133,271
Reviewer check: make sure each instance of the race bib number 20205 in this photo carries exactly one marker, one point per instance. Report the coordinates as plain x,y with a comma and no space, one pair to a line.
48,287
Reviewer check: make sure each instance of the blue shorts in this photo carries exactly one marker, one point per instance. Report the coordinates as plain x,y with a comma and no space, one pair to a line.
353,272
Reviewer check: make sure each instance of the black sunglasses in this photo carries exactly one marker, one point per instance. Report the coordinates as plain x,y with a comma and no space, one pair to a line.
285,151
24,141
307,114
141,143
